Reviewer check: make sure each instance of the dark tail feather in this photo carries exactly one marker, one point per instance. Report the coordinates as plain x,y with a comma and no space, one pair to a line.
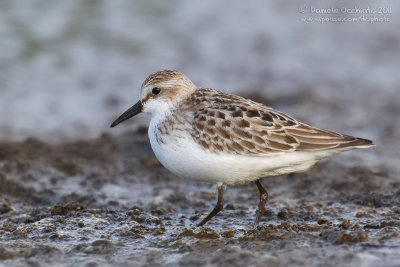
357,142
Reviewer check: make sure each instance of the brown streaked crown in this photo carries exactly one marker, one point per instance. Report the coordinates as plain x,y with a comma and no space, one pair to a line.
166,76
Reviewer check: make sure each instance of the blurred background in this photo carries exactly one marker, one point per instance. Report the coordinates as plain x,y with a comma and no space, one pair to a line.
67,69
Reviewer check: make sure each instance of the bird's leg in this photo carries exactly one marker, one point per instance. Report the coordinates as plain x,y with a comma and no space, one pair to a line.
217,208
263,201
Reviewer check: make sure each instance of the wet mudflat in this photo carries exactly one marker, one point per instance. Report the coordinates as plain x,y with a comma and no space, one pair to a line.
108,201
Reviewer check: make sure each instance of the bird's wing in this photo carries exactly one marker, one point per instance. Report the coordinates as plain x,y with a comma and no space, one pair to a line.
235,125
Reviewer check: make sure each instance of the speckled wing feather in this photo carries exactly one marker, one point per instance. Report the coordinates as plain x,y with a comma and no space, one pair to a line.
232,124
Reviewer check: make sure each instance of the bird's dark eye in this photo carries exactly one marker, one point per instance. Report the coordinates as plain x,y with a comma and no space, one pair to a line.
156,91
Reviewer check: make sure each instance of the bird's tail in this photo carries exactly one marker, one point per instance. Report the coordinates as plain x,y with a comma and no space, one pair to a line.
356,142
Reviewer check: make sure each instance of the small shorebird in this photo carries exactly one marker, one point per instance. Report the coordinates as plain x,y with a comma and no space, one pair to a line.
207,135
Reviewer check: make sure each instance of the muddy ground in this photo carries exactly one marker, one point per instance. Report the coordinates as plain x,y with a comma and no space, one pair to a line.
108,201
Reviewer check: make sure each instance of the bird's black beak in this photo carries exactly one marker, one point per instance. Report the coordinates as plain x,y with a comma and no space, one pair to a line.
136,109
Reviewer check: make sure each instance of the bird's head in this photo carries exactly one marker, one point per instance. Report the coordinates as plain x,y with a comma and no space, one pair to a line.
161,91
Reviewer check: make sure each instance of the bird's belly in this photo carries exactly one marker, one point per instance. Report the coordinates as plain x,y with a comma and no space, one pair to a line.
183,158
187,159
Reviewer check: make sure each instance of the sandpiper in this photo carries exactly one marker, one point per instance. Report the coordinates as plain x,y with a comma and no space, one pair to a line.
207,135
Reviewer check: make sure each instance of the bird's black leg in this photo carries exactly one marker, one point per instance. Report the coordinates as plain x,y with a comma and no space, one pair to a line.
217,208
263,201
